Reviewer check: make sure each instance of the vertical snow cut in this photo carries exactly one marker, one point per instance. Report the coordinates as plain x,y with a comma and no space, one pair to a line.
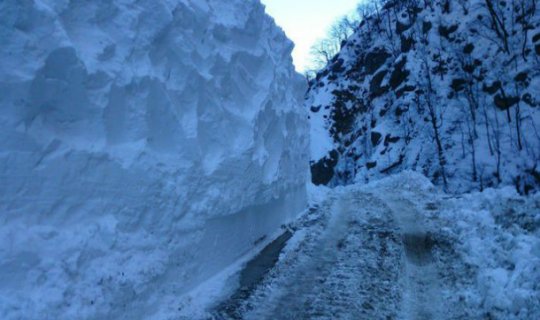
144,147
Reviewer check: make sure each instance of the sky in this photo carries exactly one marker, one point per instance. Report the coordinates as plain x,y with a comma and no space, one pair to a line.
306,21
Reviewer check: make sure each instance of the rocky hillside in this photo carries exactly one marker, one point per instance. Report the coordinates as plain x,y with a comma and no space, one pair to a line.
449,88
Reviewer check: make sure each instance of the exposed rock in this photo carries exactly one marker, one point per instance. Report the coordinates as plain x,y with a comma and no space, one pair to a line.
322,171
504,103
375,59
375,138
447,31
468,49
400,74
375,88
458,84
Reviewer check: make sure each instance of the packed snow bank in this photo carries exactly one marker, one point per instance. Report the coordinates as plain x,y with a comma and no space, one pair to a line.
144,147
499,235
494,236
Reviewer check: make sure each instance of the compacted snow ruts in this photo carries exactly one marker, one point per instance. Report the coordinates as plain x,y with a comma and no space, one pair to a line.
388,251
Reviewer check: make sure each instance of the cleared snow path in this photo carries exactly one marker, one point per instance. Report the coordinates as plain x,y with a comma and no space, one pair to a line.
358,256
420,281
329,273
393,250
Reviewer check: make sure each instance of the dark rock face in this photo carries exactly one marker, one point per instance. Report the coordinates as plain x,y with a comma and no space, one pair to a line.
522,78
400,74
337,67
406,44
376,88
375,59
389,139
492,88
322,171
437,87
447,31
426,27
375,138
505,103
315,109
468,48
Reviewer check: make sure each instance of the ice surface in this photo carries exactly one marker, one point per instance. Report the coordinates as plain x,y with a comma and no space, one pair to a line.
144,146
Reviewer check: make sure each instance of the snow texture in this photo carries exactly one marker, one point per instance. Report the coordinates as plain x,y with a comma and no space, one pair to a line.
144,146
448,88
397,248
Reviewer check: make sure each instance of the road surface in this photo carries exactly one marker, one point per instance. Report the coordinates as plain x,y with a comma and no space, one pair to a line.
359,255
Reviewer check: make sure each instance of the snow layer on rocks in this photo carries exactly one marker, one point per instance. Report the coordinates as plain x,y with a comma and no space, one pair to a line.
144,147
432,86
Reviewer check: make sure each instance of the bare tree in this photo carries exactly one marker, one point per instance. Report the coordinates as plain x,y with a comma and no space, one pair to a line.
427,100
342,29
322,52
498,23
325,49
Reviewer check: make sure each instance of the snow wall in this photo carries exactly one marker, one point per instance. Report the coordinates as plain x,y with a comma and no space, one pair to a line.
145,146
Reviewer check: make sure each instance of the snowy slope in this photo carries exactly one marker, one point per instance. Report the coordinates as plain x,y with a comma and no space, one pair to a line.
144,146
448,88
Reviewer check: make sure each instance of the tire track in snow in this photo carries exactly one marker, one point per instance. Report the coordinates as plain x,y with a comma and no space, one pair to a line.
420,279
352,273
363,256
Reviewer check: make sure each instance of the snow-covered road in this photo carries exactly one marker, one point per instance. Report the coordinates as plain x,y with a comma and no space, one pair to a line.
371,258
369,254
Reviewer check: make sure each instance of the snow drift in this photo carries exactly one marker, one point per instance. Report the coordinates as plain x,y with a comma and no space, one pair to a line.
144,146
